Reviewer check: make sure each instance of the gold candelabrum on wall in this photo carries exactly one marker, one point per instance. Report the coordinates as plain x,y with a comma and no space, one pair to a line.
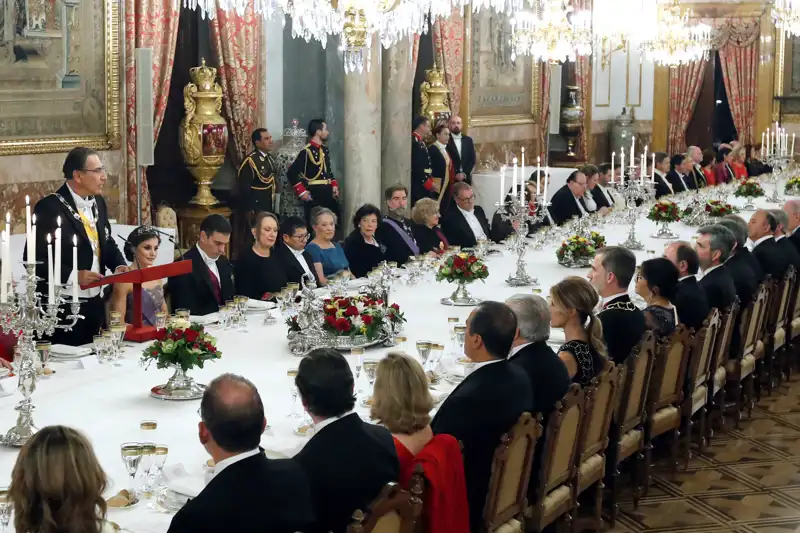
433,95
203,131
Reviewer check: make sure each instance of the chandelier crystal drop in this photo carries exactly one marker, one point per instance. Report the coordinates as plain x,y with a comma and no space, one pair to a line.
678,41
786,15
551,32
614,32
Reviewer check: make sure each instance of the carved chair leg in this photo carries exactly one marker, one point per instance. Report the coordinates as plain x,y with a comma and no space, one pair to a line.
614,494
676,441
637,466
598,506
687,442
648,455
703,419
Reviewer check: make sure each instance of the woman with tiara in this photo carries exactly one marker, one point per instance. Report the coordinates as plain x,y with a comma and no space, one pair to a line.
141,249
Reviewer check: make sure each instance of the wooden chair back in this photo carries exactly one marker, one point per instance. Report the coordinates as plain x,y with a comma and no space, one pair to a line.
780,300
394,510
632,406
669,370
724,337
703,350
511,472
601,398
753,320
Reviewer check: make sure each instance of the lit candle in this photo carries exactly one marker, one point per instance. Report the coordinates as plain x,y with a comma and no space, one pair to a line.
514,176
522,177
57,257
622,163
502,183
769,140
28,226
544,194
538,174
51,287
4,270
32,249
792,154
633,153
643,165
75,268
613,154
653,174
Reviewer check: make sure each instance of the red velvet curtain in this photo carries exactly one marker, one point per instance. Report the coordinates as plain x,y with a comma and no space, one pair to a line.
448,47
236,44
148,24
685,82
739,58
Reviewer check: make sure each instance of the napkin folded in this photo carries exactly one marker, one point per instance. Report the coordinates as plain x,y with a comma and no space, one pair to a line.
180,481
438,395
121,499
260,304
63,349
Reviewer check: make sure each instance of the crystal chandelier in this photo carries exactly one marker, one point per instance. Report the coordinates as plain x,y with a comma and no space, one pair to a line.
552,32
612,32
786,15
677,40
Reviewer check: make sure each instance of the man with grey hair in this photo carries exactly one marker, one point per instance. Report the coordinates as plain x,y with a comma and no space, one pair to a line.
548,374
714,245
695,156
792,210
784,245
745,279
761,230
738,227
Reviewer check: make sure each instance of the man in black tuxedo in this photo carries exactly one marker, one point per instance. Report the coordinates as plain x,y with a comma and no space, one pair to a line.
714,245
467,223
461,150
792,210
291,252
488,402
623,323
395,232
422,185
678,176
784,245
210,284
602,193
695,156
742,253
761,230
663,184
247,492
347,461
567,202
739,264
690,300
84,216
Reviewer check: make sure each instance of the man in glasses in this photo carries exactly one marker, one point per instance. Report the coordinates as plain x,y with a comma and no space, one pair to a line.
567,202
466,224
291,254
84,218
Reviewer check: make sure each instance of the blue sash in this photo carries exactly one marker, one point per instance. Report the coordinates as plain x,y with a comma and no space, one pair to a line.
412,245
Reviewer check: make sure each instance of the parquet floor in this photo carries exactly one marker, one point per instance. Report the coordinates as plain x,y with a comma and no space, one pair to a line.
747,481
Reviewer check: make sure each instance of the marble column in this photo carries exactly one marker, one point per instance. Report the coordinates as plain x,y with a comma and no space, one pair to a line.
398,81
362,138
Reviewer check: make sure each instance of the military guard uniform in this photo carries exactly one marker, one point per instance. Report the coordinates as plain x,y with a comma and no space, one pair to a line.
421,171
257,183
311,172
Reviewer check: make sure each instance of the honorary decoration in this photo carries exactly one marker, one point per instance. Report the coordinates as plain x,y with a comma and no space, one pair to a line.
717,208
181,349
578,250
461,268
793,187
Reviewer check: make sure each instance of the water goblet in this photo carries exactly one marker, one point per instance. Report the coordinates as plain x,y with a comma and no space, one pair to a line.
147,430
161,320
118,335
110,346
241,309
401,343
424,350
146,464
460,335
230,314
184,314
131,455
370,368
99,347
5,508
292,374
114,318
159,458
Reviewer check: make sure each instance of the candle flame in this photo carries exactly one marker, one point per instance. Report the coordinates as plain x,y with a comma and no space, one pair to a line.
58,221
27,200
48,238
74,240
33,220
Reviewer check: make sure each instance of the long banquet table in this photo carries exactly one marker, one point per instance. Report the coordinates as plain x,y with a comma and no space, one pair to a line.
107,402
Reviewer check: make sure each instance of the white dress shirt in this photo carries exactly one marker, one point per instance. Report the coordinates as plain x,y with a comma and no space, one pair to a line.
298,255
86,207
686,277
474,223
580,206
685,187
591,205
210,263
225,463
665,180
457,141
319,426
472,367
759,241
516,349
780,237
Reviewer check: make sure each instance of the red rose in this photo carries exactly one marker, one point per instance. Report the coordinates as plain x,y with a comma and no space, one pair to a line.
367,319
343,325
343,302
471,259
458,262
351,311
154,353
161,334
330,320
191,335
395,307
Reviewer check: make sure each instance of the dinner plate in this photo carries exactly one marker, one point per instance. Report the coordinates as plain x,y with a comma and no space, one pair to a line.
260,305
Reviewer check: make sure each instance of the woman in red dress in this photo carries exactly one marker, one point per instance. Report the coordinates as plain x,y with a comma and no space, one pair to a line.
723,173
401,401
707,166
738,166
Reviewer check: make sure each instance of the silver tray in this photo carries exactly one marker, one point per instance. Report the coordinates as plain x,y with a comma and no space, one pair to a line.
196,394
346,347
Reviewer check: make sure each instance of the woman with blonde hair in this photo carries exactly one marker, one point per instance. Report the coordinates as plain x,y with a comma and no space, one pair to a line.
427,233
402,402
738,164
57,485
572,304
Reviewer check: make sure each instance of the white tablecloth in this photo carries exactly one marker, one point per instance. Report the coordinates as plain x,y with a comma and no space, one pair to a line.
107,402
487,186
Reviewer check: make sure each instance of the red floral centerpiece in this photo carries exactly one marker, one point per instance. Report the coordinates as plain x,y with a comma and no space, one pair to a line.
352,316
717,208
664,211
749,188
461,268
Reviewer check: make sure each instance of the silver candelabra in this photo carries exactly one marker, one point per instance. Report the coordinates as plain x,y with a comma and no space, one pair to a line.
27,316
633,191
516,211
780,164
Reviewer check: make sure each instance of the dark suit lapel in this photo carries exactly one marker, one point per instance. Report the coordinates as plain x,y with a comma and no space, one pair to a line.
202,269
454,155
73,216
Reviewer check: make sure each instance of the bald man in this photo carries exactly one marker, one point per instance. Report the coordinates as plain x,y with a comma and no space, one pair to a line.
461,150
792,210
695,156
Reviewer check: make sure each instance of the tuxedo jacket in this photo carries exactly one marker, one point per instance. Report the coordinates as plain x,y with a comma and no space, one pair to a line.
751,260
255,495
420,170
478,412
291,267
361,255
547,373
662,189
563,206
600,198
347,463
719,288
698,176
623,327
47,211
772,261
795,239
194,291
744,279
465,161
692,303
678,186
457,230
790,253
396,248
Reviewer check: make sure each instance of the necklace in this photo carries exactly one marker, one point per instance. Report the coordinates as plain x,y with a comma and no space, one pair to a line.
622,306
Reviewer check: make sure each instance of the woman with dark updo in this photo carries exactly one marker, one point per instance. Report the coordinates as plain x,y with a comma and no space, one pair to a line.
141,250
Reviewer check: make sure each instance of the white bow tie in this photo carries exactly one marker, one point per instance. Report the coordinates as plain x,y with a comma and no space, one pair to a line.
211,262
84,204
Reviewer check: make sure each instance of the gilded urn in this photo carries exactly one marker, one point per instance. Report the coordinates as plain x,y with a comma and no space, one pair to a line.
433,96
203,132
571,118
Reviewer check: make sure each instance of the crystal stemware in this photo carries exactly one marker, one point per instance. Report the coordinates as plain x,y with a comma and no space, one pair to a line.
460,335
370,368
292,373
5,508
99,347
118,335
241,310
131,455
43,349
159,459
424,350
146,464
161,320
184,314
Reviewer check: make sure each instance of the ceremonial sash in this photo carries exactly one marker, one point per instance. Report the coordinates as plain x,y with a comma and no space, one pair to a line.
405,236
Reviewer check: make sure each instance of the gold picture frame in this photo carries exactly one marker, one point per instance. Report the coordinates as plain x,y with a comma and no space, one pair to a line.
111,138
466,90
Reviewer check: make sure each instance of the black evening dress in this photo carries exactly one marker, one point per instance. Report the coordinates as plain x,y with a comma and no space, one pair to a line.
660,320
361,255
257,277
590,363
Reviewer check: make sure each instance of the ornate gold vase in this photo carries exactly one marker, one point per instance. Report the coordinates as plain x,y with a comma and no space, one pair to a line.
433,96
571,118
203,131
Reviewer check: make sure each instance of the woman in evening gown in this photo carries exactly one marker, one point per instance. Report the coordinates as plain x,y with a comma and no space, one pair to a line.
259,274
141,249
657,283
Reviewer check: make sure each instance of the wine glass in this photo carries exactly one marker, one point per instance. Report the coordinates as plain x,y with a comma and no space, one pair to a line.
147,429
43,349
5,508
99,347
424,350
460,335
370,368
131,456
146,464
161,320
401,343
114,318
231,314
292,373
241,308
110,345
118,335
184,314
159,458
